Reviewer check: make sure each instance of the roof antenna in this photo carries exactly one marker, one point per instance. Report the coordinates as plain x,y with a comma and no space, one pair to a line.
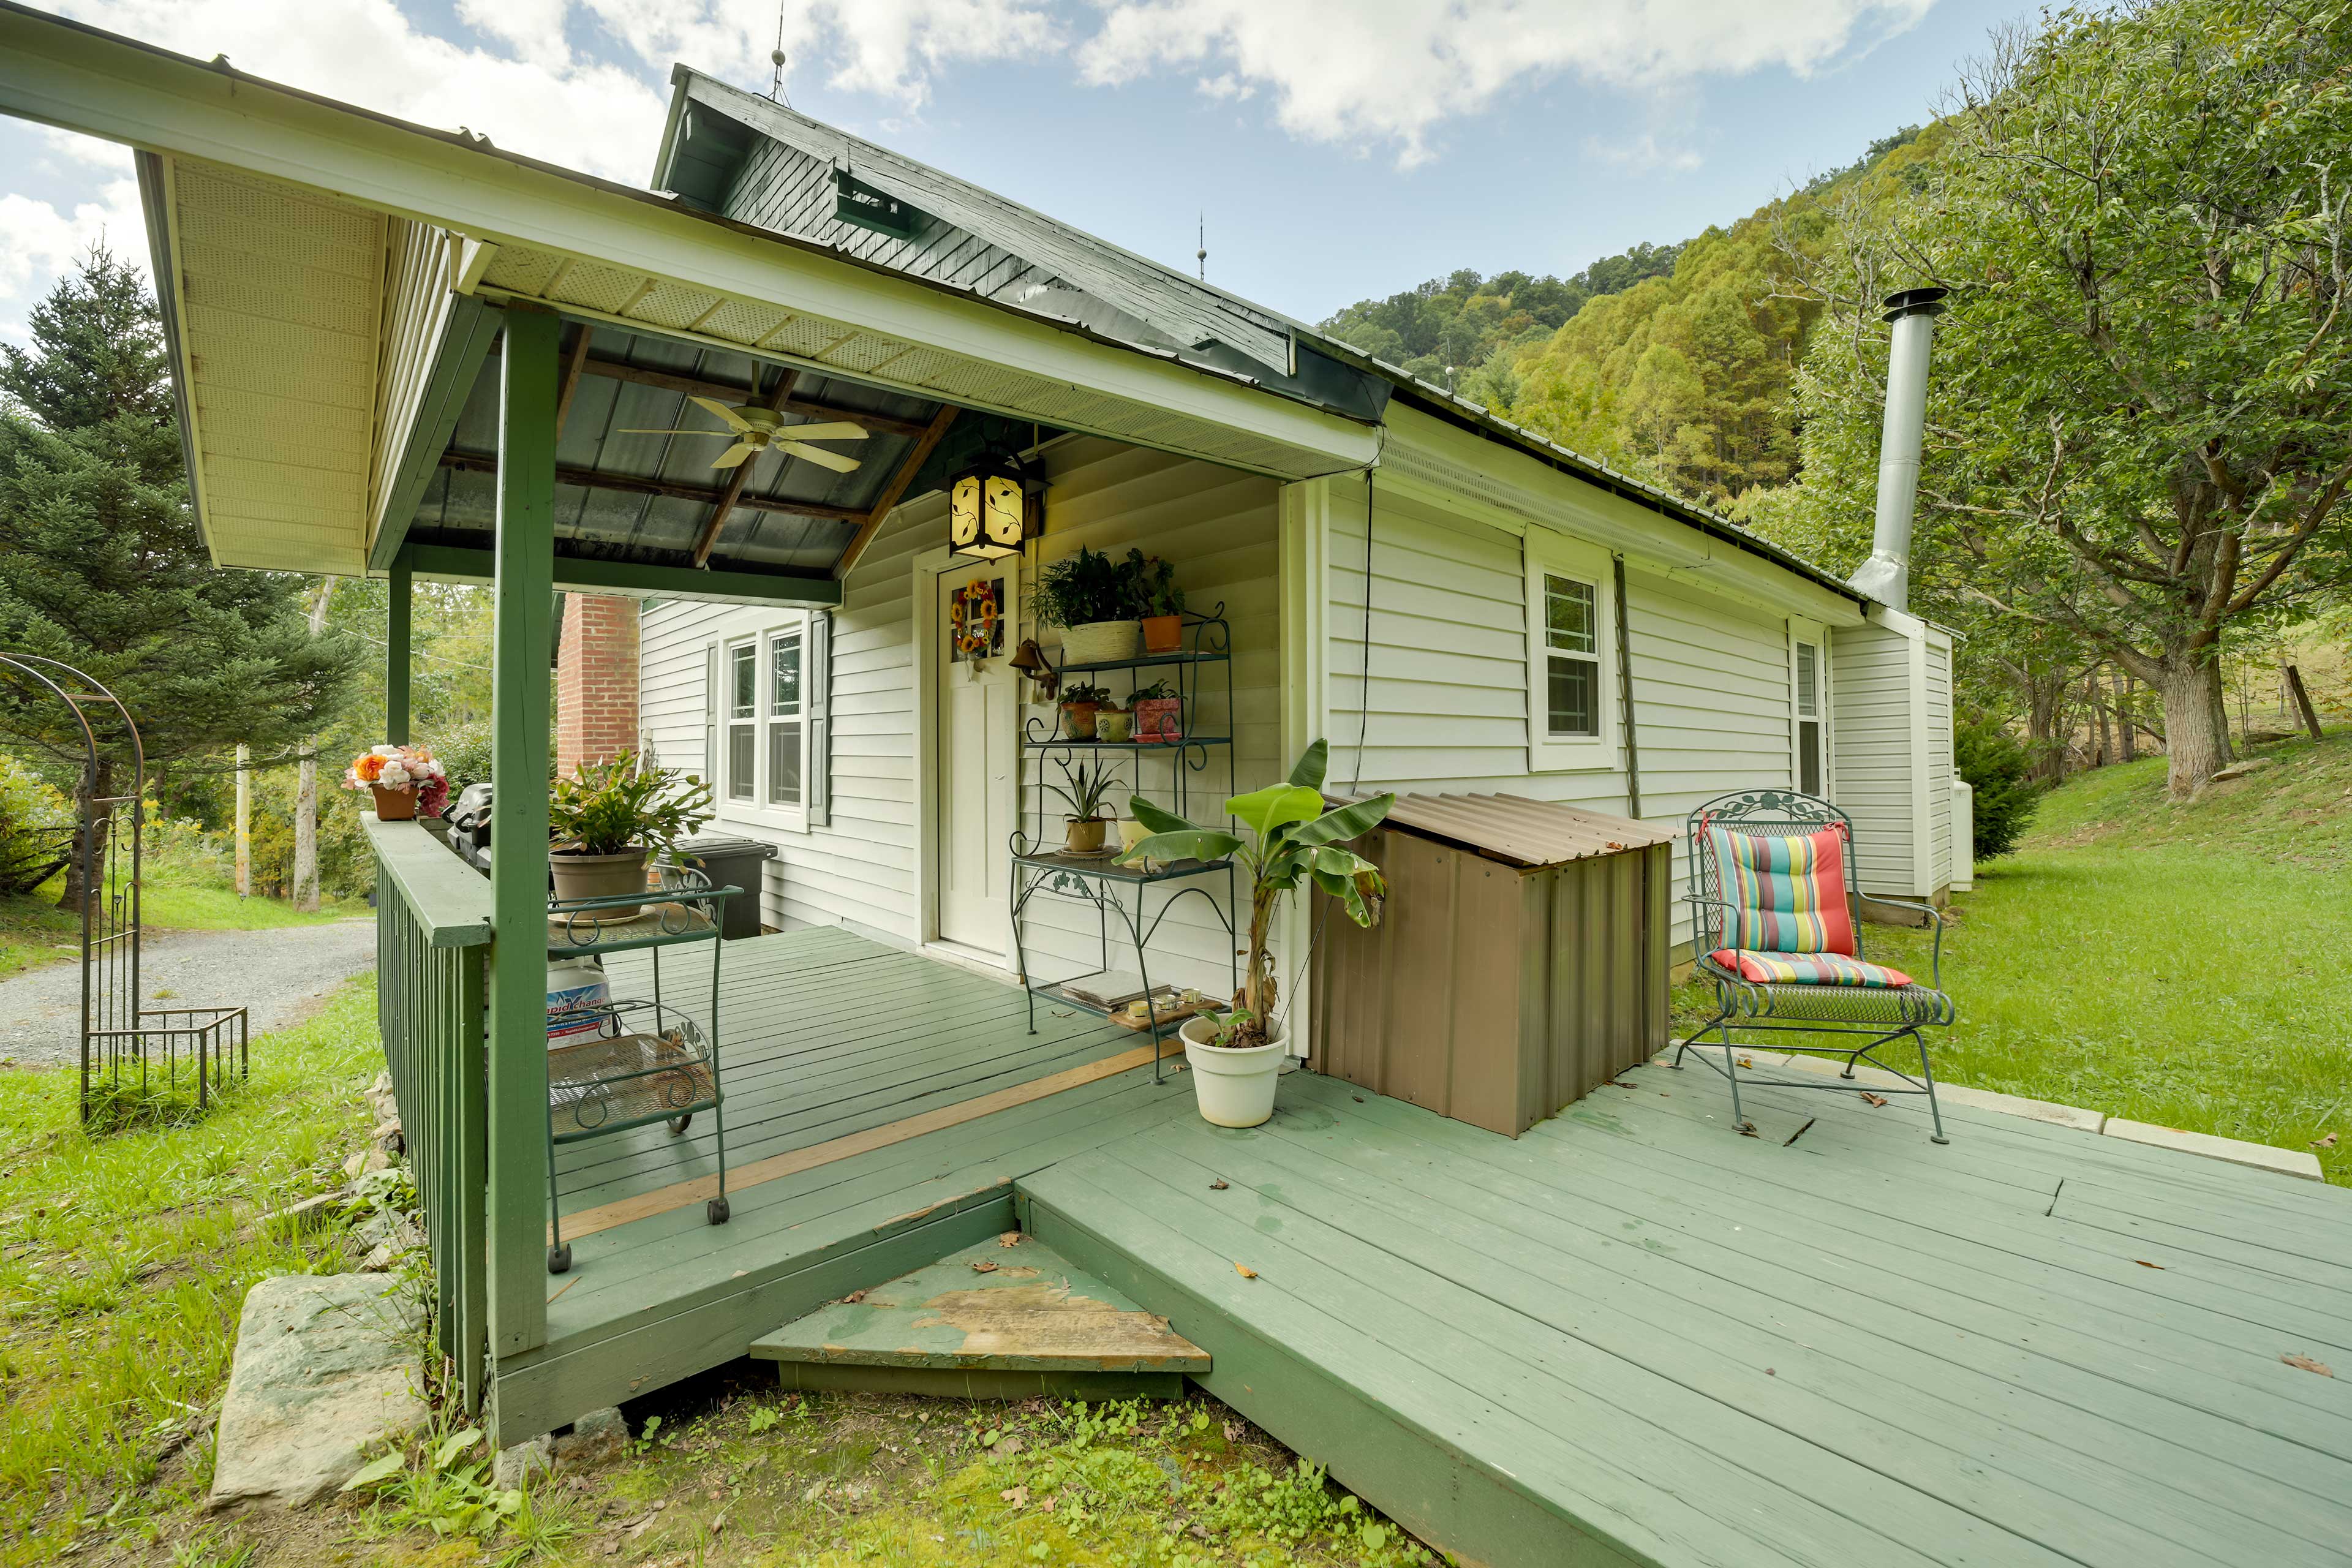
776,82
1201,255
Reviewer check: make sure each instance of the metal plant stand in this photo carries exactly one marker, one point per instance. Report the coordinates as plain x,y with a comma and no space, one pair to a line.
122,1042
637,1060
1130,896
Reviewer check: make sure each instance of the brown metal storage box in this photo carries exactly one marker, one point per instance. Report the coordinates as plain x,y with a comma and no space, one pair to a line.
1522,958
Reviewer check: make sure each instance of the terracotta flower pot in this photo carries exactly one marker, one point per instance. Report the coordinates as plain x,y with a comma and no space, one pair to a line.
394,804
1111,725
1159,719
1078,720
1084,835
601,876
1163,634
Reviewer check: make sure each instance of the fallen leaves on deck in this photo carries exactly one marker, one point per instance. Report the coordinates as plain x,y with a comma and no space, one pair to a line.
2307,1364
1218,1186
2144,1263
982,1266
1244,1270
1874,1099
1009,1238
854,1298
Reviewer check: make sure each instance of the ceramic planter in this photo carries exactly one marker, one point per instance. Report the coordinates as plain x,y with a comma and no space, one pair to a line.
1078,720
1084,836
395,804
1233,1088
1159,719
1163,634
1132,833
1099,642
1112,724
601,876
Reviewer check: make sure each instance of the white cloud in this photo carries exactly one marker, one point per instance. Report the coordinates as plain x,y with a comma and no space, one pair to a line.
38,241
1643,155
1391,71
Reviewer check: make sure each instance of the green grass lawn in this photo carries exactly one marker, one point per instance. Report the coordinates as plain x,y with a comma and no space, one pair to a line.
123,1263
34,931
2182,964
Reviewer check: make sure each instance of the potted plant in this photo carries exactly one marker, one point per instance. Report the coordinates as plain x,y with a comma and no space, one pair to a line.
1088,784
1092,598
405,781
1160,601
1080,704
1291,837
1111,722
1157,712
608,817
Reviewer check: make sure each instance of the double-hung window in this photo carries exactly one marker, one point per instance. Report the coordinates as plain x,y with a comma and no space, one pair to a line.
1808,691
787,733
1571,655
742,721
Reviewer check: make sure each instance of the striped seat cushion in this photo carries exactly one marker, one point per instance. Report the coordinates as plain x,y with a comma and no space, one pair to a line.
1808,969
1787,893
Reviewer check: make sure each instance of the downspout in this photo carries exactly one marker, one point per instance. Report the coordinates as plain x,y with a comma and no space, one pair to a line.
1625,701
1886,575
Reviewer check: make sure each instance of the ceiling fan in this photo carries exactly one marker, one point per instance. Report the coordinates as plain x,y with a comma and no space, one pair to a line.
755,429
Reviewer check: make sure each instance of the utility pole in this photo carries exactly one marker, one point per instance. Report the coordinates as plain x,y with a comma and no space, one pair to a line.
243,821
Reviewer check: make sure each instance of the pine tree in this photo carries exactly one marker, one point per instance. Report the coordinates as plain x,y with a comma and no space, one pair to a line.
103,567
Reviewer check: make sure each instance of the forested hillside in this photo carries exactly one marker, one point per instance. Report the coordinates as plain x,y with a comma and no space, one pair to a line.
1673,361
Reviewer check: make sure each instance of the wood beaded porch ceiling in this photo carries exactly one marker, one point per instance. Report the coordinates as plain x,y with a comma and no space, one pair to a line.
628,492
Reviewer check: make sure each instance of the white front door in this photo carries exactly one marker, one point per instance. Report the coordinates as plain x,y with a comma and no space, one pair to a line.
978,751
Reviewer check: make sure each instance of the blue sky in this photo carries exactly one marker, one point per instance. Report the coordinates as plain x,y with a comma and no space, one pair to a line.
1338,148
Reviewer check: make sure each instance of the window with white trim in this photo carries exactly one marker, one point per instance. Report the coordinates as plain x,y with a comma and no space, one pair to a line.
742,721
1571,655
1809,708
787,741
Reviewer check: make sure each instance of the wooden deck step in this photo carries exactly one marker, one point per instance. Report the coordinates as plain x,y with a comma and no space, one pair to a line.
1007,1319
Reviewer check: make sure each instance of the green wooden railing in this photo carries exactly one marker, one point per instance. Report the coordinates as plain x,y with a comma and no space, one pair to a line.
433,948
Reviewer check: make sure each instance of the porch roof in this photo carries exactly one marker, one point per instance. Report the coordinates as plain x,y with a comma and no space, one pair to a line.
332,279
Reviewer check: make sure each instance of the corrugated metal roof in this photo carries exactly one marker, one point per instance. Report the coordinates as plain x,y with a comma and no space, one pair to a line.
1521,832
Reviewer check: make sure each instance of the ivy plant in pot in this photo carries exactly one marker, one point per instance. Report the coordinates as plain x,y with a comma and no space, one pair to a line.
1290,838
1160,601
1092,598
608,817
1080,706
1086,786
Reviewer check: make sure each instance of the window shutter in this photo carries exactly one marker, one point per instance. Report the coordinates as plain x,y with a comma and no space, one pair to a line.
816,704
711,715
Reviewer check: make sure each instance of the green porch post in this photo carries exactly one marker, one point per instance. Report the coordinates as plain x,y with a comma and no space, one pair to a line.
395,653
524,591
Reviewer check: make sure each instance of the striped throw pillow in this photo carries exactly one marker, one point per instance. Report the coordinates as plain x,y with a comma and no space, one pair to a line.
1787,894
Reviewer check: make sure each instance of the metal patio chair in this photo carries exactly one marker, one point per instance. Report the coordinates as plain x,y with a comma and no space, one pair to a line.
1884,1013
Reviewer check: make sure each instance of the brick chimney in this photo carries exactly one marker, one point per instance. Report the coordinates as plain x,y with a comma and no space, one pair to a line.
595,681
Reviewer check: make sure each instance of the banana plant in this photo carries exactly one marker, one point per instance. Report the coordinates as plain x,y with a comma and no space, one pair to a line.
1291,839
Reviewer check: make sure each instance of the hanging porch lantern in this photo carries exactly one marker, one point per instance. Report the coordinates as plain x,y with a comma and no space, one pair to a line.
988,511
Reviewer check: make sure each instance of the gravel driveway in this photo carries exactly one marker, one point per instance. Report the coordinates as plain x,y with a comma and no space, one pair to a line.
282,975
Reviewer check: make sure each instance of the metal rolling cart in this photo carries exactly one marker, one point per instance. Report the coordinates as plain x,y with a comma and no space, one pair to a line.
1131,895
638,1061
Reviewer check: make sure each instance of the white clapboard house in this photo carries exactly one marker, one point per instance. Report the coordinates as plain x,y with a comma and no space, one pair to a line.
1399,606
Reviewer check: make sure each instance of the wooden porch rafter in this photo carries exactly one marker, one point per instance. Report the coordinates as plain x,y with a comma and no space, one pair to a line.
871,522
708,495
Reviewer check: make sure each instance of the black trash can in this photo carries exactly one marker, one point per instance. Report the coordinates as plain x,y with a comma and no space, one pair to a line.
733,863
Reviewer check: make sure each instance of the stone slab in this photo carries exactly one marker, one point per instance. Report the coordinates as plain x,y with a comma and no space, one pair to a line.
2261,1156
327,1369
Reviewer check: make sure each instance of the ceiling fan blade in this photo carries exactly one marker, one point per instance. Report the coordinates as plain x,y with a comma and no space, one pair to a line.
734,420
820,457
835,431
673,432
736,455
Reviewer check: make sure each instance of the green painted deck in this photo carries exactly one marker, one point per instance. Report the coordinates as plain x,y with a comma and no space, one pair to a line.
1628,1335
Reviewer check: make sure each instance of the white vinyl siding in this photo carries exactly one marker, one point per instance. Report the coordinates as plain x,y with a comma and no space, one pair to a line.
1938,756
1452,685
1877,779
858,869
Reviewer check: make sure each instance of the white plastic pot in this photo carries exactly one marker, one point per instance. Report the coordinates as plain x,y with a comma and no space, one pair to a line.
1233,1088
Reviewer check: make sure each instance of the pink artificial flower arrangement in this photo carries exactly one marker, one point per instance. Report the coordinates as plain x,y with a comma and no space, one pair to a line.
408,770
